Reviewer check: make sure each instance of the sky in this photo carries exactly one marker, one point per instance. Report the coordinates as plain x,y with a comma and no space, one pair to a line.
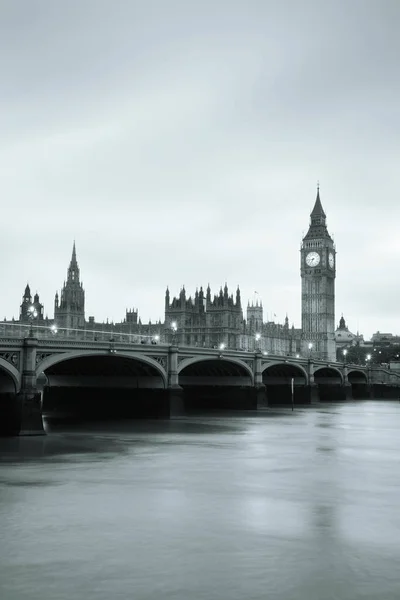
180,142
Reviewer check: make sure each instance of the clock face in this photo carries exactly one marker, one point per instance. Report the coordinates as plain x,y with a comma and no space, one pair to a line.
331,260
312,259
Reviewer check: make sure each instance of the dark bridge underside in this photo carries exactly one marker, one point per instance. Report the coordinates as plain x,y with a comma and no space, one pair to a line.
216,372
9,417
283,374
104,371
6,382
217,384
214,368
103,387
357,377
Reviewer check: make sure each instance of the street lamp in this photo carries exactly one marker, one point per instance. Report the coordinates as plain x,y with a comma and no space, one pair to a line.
310,347
344,355
257,344
32,314
174,329
53,328
368,358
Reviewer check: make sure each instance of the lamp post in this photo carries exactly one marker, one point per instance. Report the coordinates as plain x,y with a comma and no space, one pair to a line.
257,342
310,347
367,359
174,329
32,314
344,356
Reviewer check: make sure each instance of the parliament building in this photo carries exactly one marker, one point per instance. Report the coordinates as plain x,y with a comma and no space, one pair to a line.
204,319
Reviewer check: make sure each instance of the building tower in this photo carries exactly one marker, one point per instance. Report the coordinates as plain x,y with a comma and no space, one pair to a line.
255,317
69,310
25,315
318,271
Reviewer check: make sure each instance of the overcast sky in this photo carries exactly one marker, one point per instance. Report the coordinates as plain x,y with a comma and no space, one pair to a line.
180,142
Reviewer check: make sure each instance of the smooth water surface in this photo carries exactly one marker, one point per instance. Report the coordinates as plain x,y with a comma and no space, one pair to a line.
272,505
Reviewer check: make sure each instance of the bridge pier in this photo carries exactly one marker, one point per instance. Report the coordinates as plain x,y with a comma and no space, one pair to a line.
261,396
347,391
313,393
29,399
174,391
176,403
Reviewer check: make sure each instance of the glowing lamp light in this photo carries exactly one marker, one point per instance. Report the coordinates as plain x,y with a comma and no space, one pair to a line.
222,346
258,336
174,326
310,346
33,312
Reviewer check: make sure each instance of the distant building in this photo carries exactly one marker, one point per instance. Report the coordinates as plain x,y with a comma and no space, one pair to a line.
212,322
345,338
385,339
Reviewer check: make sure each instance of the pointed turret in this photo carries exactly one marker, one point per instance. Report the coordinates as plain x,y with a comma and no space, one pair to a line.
167,298
73,259
27,293
238,300
73,269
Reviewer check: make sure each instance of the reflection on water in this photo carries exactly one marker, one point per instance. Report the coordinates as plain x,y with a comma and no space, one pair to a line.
275,505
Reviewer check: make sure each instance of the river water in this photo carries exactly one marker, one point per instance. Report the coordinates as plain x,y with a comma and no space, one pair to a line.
272,505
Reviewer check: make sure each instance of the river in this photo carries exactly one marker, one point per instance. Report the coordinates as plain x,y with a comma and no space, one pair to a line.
272,505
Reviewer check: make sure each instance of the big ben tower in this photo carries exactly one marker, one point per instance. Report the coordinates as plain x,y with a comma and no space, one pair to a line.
318,271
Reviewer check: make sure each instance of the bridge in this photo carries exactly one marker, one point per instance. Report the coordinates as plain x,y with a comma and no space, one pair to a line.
91,377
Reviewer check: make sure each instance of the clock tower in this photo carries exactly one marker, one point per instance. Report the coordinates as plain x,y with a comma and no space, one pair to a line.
318,272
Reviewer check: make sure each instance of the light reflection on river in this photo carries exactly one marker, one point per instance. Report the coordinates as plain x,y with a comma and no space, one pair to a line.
273,506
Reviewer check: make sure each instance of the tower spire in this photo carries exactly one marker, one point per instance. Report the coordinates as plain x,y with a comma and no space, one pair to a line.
74,263
318,211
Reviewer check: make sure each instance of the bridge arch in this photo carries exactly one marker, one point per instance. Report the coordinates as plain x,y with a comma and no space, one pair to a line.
98,385
61,357
215,360
356,376
326,374
216,383
284,369
277,377
12,372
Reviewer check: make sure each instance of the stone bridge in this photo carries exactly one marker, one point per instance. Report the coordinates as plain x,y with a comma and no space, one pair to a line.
45,375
